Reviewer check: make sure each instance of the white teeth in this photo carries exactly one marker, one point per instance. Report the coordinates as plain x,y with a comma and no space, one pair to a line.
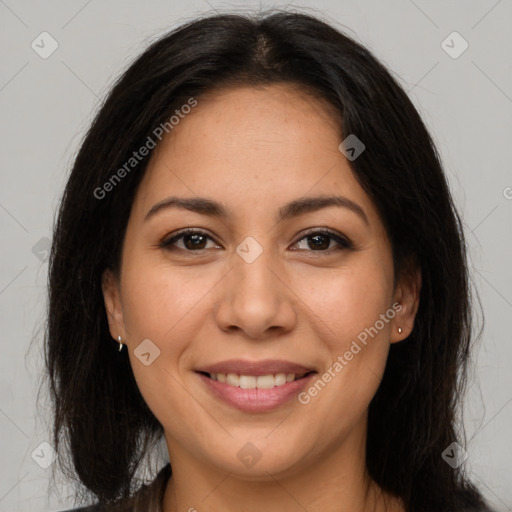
280,379
247,381
254,382
232,379
265,382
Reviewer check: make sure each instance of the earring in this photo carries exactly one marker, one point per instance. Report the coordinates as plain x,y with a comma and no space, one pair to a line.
120,344
399,330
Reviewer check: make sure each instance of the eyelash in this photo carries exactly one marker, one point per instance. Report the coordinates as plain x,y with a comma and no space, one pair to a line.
343,243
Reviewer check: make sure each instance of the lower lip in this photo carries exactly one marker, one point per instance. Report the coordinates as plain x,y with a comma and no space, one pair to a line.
256,400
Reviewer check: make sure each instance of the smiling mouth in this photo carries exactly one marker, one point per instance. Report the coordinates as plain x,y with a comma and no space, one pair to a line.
256,381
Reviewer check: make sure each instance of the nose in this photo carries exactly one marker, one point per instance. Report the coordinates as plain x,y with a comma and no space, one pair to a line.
255,299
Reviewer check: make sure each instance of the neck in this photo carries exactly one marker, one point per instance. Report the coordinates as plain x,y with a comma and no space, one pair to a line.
335,480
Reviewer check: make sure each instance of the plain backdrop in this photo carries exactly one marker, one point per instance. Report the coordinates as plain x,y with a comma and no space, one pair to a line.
47,102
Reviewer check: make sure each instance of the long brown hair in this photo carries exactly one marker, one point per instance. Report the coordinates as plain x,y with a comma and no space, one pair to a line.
100,419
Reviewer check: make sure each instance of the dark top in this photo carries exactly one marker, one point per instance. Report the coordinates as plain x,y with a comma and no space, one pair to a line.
147,499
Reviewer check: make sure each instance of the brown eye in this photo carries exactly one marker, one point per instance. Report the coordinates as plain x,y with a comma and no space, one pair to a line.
194,241
189,240
322,241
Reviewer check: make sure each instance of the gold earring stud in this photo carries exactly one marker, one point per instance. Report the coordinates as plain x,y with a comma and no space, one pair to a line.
120,344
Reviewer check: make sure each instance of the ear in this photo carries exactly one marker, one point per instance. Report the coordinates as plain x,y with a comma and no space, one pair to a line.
407,294
112,299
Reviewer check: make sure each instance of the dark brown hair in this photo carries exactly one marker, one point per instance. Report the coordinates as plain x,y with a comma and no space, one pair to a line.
100,418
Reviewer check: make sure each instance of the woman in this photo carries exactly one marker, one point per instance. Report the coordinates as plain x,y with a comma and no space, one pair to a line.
260,215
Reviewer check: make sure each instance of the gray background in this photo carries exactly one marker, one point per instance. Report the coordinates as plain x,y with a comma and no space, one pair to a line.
47,104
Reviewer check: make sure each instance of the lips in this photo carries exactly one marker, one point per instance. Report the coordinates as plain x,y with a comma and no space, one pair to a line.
256,368
255,386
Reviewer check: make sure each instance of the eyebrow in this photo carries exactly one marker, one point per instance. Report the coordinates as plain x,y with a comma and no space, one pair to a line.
204,206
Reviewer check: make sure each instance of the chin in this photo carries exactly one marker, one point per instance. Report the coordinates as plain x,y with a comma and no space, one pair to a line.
256,459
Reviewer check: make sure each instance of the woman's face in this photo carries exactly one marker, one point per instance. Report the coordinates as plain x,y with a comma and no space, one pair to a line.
273,284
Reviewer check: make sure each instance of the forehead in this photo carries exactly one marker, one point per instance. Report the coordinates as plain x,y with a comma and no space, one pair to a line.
253,149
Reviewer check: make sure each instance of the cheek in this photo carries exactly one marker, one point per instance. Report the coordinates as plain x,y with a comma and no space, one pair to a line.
346,313
156,299
166,306
162,304
348,300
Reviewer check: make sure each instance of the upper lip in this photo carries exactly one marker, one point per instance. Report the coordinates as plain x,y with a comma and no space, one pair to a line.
256,368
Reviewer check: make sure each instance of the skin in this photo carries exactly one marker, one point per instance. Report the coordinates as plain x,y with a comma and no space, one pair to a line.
254,150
